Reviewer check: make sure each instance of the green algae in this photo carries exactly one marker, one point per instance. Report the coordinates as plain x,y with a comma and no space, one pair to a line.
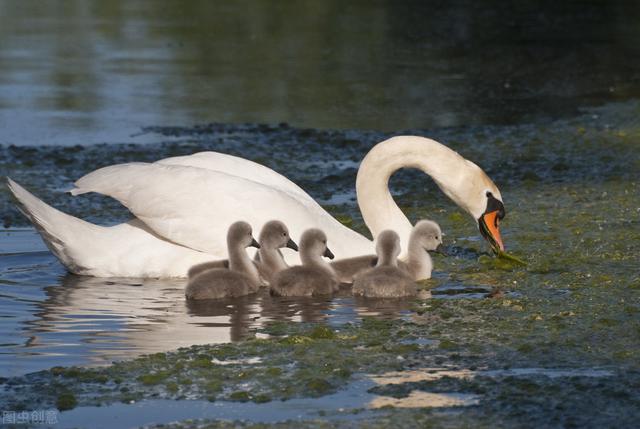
240,396
66,401
511,258
322,332
318,387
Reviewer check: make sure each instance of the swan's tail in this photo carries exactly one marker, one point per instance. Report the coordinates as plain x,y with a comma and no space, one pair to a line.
58,230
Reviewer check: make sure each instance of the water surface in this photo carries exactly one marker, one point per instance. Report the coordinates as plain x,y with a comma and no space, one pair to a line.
81,72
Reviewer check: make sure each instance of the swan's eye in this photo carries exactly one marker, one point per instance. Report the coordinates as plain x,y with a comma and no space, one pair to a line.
284,234
436,237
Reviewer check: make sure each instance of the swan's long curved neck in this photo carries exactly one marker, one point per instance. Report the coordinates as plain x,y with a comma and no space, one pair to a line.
377,206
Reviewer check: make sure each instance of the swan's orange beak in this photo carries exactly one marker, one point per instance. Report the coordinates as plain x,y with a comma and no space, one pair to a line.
488,224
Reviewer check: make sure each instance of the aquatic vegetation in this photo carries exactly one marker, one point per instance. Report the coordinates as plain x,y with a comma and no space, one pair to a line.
511,258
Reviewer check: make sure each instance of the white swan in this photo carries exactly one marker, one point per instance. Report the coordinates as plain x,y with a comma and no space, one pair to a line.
184,206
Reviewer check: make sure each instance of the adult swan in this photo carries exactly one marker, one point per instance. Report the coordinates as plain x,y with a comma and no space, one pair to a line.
184,205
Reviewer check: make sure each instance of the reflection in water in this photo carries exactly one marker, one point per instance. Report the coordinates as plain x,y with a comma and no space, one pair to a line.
52,318
381,307
235,315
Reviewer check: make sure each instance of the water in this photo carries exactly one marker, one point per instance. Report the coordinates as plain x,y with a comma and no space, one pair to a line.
351,403
77,72
341,405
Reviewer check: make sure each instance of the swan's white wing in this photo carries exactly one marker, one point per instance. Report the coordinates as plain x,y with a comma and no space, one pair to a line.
194,207
237,166
129,249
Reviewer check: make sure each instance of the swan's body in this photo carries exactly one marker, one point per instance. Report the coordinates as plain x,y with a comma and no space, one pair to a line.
314,276
241,278
386,279
184,206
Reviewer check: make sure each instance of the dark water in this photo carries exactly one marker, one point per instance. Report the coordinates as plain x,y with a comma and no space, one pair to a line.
80,72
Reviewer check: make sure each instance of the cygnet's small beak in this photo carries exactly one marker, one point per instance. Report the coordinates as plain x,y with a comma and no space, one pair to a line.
292,245
254,243
441,250
328,253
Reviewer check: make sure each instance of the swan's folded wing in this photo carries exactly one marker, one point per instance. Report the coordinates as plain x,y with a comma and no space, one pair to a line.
236,166
194,207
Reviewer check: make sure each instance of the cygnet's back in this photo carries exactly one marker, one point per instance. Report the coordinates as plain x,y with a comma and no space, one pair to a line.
386,279
241,278
347,269
314,276
206,266
273,237
220,283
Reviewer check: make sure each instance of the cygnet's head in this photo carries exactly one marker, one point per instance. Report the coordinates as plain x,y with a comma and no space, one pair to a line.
239,234
314,243
275,235
427,235
388,246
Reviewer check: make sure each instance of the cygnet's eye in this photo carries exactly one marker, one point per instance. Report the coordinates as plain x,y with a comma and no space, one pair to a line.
324,241
284,234
436,237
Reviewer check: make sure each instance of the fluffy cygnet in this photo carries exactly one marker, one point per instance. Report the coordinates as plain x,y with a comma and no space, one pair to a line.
385,280
241,278
273,236
425,236
315,276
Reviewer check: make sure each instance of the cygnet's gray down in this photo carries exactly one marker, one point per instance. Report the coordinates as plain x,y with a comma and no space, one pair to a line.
273,237
386,279
241,278
425,236
315,276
